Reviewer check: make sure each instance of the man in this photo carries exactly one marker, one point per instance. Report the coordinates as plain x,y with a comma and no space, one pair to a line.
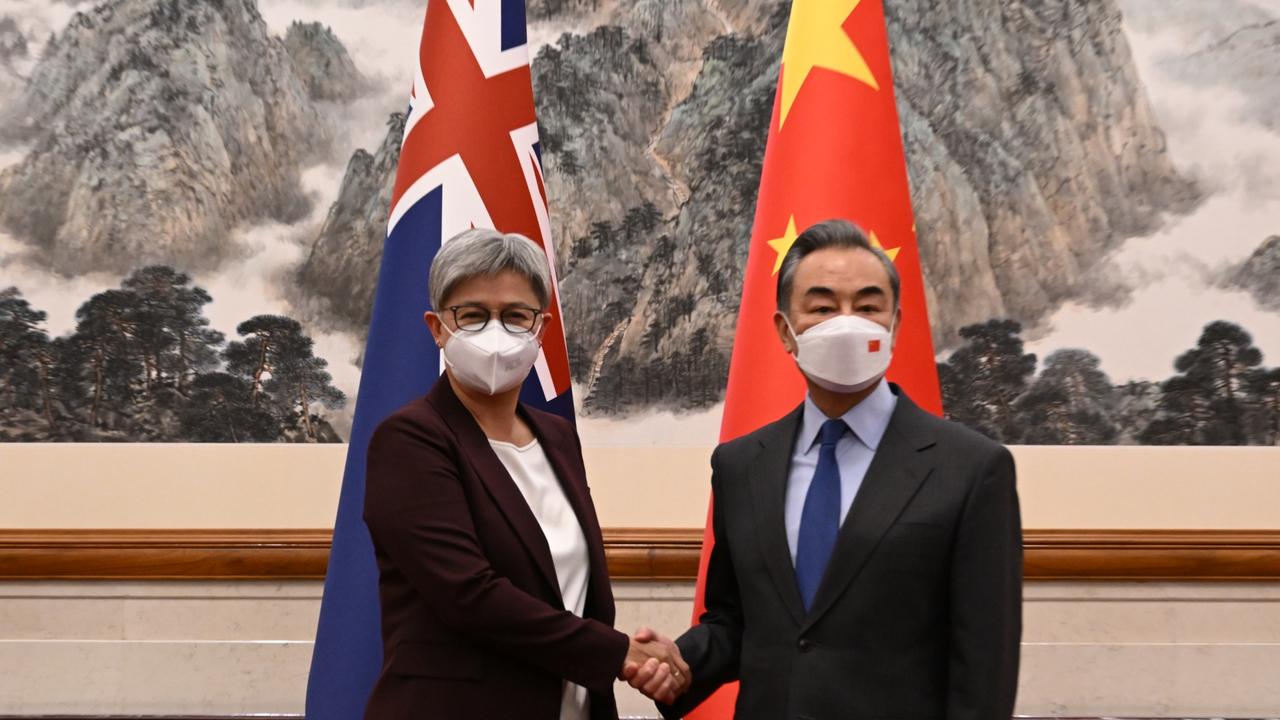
868,555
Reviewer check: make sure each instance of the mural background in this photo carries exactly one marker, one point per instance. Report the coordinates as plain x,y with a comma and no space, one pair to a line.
193,197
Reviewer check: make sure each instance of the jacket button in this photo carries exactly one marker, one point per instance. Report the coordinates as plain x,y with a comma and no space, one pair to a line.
805,645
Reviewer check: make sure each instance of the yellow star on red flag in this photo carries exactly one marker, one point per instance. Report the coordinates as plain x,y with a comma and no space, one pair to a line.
891,252
816,39
783,244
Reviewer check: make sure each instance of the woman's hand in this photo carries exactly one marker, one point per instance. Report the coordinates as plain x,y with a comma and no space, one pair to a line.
654,667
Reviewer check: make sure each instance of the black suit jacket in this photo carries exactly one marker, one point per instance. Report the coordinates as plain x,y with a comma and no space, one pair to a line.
919,615
473,625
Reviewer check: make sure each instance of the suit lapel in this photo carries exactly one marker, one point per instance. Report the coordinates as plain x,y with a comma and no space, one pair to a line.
573,481
898,469
495,478
768,474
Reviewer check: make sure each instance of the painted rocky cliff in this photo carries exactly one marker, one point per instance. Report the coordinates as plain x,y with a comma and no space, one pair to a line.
155,128
1031,146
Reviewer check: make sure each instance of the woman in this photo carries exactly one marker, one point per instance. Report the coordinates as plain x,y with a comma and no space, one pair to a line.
495,596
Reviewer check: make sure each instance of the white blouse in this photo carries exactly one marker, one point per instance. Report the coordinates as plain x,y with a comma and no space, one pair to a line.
532,473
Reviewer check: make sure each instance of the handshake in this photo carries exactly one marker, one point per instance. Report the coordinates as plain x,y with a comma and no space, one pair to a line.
654,667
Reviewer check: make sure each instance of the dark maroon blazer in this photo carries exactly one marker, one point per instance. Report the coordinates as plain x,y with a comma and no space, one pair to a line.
473,625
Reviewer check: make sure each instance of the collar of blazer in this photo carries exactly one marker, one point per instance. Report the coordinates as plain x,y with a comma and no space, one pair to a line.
474,448
900,465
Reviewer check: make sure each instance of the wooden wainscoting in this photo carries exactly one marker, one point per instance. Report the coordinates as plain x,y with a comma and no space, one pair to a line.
163,554
634,554
1188,555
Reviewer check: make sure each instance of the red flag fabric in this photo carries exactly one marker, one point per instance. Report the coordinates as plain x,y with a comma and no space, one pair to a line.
834,151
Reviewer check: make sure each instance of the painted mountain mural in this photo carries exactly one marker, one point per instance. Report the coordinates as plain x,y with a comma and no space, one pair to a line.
237,158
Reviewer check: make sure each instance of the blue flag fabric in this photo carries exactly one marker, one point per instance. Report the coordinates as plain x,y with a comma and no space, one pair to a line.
470,158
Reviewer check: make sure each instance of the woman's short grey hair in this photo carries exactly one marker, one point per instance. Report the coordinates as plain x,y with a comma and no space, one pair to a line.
481,252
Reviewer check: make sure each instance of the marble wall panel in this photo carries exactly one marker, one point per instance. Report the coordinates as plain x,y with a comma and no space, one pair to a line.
1090,649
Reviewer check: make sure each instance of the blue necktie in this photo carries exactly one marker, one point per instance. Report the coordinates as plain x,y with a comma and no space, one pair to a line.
820,519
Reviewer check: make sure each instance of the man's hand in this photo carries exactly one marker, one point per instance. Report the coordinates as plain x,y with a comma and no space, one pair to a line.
654,667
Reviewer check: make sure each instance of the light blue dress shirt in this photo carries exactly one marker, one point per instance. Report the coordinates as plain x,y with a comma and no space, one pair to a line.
868,421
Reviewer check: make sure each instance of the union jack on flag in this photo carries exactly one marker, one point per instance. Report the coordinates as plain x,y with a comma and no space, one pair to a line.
470,158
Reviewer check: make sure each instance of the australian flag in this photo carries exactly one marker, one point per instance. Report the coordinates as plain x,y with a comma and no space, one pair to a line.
470,158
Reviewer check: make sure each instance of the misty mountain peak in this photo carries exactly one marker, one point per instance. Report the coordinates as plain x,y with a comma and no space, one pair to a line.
157,127
323,63
1260,273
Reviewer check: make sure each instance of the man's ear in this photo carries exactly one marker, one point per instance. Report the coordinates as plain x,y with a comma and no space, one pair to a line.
436,326
897,325
784,332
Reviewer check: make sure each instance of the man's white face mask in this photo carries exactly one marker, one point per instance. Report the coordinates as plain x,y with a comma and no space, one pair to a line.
845,354
493,360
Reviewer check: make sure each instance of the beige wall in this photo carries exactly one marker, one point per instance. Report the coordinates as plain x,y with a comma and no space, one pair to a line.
289,486
1096,650
1154,649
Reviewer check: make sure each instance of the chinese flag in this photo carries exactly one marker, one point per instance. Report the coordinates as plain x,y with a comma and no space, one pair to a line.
834,151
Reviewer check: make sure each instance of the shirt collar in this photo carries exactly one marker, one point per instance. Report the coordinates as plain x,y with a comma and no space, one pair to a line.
868,419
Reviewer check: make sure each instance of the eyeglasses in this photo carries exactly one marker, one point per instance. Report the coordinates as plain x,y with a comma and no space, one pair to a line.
474,318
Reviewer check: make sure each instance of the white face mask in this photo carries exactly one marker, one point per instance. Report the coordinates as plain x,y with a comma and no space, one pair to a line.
845,354
492,360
